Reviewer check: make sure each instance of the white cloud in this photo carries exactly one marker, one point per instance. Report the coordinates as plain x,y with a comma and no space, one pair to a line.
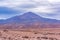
43,6
51,1
43,9
14,3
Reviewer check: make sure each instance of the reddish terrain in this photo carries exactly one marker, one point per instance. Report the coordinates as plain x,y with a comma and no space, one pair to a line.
30,34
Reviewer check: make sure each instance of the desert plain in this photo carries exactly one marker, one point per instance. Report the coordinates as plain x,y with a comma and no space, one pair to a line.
30,34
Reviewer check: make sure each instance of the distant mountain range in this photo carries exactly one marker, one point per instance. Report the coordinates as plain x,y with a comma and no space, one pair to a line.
29,20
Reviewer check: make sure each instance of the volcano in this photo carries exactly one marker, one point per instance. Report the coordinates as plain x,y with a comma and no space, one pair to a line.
29,20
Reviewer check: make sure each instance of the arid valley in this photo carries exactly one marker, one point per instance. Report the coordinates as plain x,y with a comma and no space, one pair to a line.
30,34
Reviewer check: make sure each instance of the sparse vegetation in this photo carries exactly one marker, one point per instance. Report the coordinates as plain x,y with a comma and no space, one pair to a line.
44,37
28,35
25,37
5,30
35,33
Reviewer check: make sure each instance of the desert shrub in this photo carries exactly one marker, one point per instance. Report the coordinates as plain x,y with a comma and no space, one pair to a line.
51,33
10,38
35,33
38,37
25,37
44,37
53,39
5,30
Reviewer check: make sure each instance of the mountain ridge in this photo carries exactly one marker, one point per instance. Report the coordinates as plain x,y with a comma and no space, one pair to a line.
29,20
31,16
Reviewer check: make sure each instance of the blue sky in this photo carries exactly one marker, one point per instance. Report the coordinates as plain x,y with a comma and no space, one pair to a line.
44,8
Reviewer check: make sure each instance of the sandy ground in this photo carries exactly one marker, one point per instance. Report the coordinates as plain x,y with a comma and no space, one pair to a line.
30,34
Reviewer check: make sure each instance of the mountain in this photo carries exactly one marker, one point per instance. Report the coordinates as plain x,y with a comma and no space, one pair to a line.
31,17
26,17
29,20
